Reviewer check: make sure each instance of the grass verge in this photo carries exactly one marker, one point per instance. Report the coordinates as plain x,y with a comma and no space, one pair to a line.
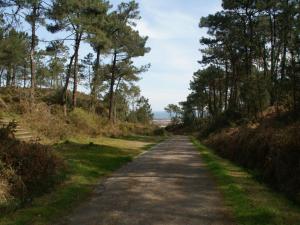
88,160
252,203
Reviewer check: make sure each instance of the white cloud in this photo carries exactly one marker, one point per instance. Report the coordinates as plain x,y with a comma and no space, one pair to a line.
159,24
173,37
172,28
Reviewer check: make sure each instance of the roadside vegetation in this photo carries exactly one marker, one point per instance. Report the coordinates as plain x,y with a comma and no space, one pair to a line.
245,99
250,201
27,170
107,73
82,116
47,177
48,123
86,161
269,148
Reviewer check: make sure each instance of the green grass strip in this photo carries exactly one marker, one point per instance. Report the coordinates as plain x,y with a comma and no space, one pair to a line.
251,203
87,160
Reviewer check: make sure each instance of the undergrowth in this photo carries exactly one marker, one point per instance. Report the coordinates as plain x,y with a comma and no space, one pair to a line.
252,203
26,170
272,151
87,161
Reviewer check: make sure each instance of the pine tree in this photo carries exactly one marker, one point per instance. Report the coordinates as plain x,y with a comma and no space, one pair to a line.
126,44
75,16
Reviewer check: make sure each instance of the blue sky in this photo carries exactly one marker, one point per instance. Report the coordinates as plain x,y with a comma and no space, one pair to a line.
172,28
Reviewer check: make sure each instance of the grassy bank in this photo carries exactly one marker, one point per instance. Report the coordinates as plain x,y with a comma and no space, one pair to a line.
252,203
88,160
271,148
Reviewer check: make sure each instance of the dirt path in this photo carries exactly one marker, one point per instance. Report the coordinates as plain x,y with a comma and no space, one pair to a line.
168,185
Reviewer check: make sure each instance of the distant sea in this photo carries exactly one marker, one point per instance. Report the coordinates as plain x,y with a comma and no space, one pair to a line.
161,115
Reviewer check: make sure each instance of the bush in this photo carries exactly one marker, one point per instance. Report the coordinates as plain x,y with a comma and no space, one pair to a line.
225,119
12,188
273,152
26,169
176,128
34,163
160,132
85,121
5,187
126,129
53,124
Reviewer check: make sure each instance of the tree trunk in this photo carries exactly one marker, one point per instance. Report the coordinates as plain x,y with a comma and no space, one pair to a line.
233,101
272,21
265,61
214,97
65,89
32,51
286,30
111,89
13,79
296,89
210,108
96,81
226,86
1,76
283,61
24,76
9,76
77,46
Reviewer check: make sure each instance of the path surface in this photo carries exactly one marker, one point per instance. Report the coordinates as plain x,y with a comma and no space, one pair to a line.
168,185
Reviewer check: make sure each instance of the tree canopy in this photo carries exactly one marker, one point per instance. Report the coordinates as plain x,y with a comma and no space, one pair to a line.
108,72
250,61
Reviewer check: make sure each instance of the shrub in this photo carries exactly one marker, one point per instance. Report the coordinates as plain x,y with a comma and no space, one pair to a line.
4,191
176,128
85,121
53,97
34,163
160,132
27,169
11,186
223,120
273,152
5,186
52,125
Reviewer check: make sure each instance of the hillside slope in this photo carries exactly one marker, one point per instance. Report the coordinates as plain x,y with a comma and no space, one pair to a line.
270,148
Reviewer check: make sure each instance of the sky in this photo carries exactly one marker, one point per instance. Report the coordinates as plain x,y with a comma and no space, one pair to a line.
172,28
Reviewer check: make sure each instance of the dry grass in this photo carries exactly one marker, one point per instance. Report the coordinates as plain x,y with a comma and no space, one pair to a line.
47,121
4,191
88,160
252,202
270,149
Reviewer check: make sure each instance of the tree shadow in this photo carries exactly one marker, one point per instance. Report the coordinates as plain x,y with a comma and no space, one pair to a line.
142,138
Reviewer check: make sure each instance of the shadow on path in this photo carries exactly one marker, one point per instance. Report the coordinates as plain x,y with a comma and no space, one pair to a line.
166,186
